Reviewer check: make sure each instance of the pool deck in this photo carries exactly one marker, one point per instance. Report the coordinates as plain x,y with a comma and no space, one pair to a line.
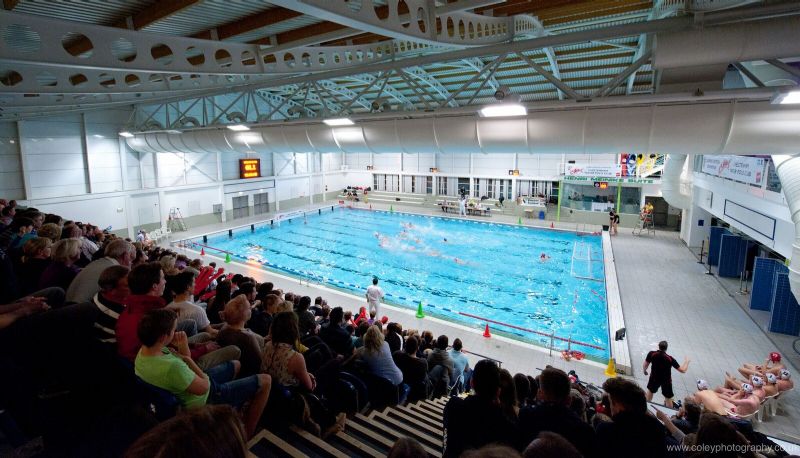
665,296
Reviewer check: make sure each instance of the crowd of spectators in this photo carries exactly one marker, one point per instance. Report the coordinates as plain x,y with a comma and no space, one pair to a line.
99,330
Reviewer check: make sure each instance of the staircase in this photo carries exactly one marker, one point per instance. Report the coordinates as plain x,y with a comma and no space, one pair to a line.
368,435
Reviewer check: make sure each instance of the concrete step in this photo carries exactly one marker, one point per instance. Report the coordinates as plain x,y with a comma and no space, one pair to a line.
266,444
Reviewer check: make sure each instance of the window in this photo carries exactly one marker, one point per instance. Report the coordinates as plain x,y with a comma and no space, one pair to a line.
443,186
428,185
463,186
490,189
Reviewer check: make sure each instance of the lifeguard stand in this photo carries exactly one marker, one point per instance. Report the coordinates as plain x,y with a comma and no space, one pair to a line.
646,225
175,221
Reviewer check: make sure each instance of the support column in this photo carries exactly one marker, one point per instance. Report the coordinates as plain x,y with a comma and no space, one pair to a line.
85,150
619,194
23,162
161,218
123,163
560,193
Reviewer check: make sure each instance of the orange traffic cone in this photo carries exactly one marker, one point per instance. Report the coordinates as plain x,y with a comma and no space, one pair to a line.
202,252
486,331
552,226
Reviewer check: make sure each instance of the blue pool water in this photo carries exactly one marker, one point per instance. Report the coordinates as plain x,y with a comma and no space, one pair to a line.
486,270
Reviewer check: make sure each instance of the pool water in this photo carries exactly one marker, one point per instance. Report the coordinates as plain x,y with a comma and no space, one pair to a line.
461,270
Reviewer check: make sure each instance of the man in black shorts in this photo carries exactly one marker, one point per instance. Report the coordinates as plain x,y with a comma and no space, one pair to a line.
661,375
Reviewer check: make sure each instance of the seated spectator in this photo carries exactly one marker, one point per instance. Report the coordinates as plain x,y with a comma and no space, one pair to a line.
7,215
50,231
205,432
175,371
236,314
376,354
62,270
508,396
439,357
394,336
687,418
84,286
523,388
307,323
406,447
492,451
362,329
551,445
36,258
414,369
335,336
146,283
183,304
21,231
553,414
477,420
261,319
10,313
632,432
217,304
110,302
426,344
461,370
288,367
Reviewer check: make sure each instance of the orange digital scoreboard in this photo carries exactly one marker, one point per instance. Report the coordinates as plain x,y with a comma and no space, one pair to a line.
249,168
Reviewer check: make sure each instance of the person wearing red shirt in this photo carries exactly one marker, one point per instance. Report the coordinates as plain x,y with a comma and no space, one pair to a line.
146,283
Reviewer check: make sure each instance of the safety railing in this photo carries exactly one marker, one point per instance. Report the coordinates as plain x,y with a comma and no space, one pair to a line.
552,336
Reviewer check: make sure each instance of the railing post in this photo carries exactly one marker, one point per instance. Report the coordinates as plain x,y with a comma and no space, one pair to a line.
702,246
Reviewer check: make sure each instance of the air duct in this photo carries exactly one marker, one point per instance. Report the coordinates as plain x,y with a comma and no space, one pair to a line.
788,169
676,192
721,127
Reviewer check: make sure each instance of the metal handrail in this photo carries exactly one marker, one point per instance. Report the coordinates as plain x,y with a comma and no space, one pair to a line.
551,336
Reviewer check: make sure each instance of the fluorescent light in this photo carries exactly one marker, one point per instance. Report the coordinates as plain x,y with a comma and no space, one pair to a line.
97,136
238,127
503,109
126,134
339,122
173,131
786,98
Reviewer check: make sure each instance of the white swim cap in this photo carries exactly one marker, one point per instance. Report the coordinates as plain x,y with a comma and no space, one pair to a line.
702,385
771,378
747,388
757,381
785,375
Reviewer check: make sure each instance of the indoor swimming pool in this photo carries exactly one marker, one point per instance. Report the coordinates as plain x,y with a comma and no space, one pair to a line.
528,284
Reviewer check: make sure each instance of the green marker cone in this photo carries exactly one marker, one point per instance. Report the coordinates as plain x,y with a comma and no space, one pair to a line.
420,313
227,257
519,220
391,209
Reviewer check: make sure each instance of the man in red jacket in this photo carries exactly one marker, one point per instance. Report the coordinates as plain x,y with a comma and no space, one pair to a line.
146,283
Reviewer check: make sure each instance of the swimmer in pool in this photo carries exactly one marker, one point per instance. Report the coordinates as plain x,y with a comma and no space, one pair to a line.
543,257
459,261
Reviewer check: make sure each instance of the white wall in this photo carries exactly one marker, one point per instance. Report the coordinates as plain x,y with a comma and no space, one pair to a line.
710,194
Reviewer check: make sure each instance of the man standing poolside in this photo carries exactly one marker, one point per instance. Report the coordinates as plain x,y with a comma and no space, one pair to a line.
661,376
374,296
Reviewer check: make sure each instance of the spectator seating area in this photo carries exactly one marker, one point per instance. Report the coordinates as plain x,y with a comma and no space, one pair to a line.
108,345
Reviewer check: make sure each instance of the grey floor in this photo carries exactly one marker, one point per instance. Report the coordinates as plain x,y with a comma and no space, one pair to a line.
665,296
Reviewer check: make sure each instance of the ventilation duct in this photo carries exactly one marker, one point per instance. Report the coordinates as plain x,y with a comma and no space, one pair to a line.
673,190
744,127
788,169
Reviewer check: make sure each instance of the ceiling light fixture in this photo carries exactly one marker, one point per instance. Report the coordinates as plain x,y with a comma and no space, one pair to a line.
786,98
339,122
125,134
173,131
503,110
238,127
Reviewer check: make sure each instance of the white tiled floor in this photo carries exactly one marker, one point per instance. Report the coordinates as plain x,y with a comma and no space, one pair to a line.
665,295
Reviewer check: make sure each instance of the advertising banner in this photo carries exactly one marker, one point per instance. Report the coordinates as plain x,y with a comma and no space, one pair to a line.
738,168
592,170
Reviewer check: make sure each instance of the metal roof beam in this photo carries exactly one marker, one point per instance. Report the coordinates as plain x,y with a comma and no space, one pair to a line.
748,74
617,80
794,71
555,81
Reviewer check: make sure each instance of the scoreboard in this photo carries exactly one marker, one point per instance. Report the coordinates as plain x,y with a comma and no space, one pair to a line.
249,168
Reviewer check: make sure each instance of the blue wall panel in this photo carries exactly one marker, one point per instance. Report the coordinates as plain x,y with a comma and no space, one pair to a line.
731,256
785,317
764,270
713,244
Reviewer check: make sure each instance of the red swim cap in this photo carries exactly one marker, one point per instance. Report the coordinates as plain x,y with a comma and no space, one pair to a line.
775,357
384,319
